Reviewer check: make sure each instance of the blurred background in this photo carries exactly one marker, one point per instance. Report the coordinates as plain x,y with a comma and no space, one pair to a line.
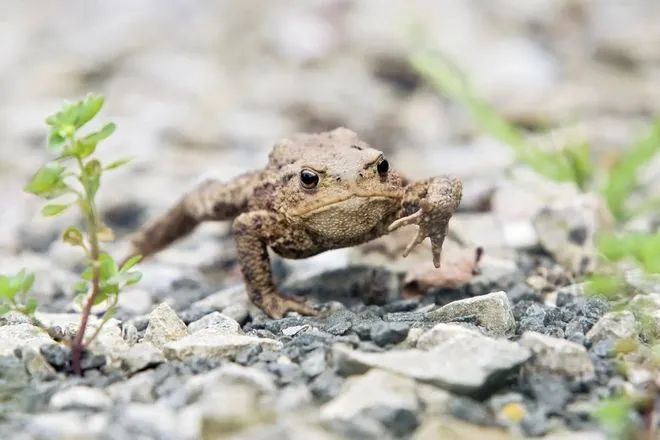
206,87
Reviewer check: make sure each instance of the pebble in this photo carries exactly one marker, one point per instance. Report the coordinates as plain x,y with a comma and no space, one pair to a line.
492,312
458,359
616,325
80,397
559,356
164,326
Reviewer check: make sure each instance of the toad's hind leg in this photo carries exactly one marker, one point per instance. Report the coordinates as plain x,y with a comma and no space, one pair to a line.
253,232
210,200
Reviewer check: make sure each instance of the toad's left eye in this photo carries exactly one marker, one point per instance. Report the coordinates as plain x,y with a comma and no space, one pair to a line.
383,167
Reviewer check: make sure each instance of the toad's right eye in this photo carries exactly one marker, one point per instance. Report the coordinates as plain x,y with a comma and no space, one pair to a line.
308,178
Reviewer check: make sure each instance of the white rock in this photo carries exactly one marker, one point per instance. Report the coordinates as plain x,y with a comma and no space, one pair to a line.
80,397
21,335
67,425
567,227
233,407
141,356
458,359
616,325
492,312
137,388
294,330
376,388
228,374
164,326
208,344
220,323
558,356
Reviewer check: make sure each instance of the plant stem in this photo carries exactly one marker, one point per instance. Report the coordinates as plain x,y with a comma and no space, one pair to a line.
92,232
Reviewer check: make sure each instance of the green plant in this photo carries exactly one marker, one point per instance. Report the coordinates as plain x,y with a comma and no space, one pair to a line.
615,416
569,163
73,178
13,293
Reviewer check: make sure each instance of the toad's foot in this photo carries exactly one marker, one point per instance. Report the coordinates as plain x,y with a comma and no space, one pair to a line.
276,306
432,217
430,224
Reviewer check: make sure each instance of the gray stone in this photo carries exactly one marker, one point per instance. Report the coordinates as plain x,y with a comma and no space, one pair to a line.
385,333
314,364
615,325
374,390
559,356
142,355
219,322
36,364
208,344
164,326
69,424
492,312
231,374
80,397
457,359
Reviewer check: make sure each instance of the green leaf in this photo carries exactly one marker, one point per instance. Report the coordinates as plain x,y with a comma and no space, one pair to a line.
131,262
100,297
112,311
30,307
56,142
108,267
132,278
4,286
623,177
73,236
53,210
87,145
118,163
27,282
91,177
48,181
87,109
4,308
103,133
81,287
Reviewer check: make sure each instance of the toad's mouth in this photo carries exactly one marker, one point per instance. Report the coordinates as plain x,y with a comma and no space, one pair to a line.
351,202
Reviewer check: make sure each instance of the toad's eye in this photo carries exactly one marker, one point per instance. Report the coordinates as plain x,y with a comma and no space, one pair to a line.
383,167
308,178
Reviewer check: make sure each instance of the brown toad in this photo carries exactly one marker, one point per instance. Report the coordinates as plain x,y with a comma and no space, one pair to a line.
318,192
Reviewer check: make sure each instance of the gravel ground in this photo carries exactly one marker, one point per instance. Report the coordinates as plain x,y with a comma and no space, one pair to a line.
510,346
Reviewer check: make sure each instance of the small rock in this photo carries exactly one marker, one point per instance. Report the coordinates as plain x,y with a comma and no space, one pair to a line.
314,364
377,394
558,356
448,428
492,312
21,335
13,318
142,355
567,227
294,330
208,344
164,326
222,324
80,398
616,325
385,333
231,408
458,359
326,385
36,364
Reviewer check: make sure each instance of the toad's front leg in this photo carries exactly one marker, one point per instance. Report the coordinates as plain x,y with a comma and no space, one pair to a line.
430,204
253,232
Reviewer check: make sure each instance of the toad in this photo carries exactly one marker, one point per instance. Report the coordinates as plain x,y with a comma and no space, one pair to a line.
318,192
